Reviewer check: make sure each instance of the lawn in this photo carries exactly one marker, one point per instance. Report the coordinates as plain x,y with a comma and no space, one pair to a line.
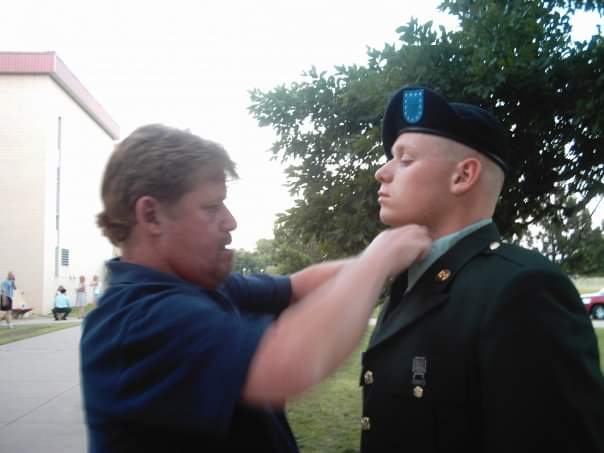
600,335
21,332
327,420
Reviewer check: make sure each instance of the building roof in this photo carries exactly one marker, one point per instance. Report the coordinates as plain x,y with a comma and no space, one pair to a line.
49,63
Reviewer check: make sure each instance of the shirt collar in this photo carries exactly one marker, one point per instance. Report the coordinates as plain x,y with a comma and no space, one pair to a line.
439,248
121,272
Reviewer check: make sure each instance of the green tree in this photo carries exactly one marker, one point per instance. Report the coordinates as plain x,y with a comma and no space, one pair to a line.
244,261
285,254
291,253
568,239
515,58
252,262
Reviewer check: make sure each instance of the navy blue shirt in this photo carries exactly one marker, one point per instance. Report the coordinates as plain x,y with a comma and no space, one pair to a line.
164,363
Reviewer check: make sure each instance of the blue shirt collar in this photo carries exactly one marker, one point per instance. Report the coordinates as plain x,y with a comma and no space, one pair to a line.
121,272
439,248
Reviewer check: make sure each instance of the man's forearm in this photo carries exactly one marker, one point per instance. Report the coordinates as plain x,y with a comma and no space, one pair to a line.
305,281
313,337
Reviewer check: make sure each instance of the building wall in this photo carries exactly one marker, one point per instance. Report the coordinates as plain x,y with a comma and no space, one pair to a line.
30,108
23,142
85,148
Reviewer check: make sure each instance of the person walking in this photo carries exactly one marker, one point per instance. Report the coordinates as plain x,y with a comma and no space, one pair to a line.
6,298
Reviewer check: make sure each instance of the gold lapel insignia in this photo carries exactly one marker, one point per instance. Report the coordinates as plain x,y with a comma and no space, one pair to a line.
365,423
418,392
494,245
443,275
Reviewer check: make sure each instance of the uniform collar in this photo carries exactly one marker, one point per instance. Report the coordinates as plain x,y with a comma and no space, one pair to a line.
439,248
430,291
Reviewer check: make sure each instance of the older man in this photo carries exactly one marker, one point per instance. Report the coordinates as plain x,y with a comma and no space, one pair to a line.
483,346
181,355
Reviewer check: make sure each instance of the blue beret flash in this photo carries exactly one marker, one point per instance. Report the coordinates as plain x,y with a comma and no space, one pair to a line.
418,109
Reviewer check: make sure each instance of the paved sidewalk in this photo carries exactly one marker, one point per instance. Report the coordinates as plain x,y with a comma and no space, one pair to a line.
40,401
39,320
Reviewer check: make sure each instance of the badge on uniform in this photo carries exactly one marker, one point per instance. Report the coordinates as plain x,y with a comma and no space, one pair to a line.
419,368
413,105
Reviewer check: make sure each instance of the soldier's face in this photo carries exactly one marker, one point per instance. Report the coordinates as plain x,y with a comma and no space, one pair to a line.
414,184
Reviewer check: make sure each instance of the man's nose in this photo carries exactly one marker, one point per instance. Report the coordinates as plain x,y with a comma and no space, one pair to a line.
229,223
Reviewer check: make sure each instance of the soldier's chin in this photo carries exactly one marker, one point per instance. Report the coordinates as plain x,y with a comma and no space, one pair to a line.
393,221
386,219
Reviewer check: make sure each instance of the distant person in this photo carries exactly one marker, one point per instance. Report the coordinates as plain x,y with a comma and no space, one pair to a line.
95,289
180,354
61,305
483,346
81,296
7,290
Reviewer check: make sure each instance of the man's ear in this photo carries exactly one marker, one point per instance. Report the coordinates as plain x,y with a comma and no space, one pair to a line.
148,214
466,175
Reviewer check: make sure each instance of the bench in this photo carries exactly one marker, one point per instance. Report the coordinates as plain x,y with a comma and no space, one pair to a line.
20,312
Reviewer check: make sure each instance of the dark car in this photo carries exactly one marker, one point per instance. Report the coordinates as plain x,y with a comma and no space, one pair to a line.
594,304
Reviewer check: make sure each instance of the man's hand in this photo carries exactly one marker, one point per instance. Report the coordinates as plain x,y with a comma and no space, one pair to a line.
312,337
398,248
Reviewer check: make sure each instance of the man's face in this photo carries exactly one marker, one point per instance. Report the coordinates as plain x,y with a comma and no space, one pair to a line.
11,276
414,183
195,233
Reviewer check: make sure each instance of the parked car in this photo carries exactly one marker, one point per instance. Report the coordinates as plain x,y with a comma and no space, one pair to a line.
594,304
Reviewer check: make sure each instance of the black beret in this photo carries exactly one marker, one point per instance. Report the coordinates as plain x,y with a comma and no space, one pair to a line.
418,109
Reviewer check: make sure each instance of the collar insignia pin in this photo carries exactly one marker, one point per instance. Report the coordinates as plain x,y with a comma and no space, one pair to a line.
443,275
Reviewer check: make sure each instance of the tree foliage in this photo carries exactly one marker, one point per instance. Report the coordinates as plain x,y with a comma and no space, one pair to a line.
258,261
285,254
291,254
515,58
568,239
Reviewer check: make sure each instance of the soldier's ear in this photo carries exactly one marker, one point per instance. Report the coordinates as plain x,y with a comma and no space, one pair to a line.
465,175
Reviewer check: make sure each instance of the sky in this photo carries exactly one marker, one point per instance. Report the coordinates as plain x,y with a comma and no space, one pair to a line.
191,64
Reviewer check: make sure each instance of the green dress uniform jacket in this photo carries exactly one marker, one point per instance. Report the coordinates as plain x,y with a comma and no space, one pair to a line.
490,351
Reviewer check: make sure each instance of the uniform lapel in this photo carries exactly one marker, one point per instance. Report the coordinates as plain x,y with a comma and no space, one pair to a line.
408,309
398,287
431,290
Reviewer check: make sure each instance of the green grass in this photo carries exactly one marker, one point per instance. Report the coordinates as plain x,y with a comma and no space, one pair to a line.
327,419
21,332
75,311
600,335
